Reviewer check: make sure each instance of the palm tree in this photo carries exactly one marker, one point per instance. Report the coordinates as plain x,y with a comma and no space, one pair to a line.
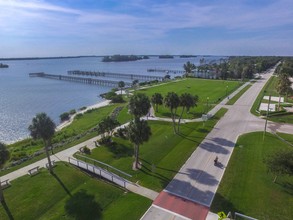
135,84
43,127
121,85
188,67
139,105
157,99
4,156
172,101
187,101
138,132
283,86
107,125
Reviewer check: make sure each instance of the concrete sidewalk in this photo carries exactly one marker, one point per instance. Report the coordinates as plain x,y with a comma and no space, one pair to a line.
198,179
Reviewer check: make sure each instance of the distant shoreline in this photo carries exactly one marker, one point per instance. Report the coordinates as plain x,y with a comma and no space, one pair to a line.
46,58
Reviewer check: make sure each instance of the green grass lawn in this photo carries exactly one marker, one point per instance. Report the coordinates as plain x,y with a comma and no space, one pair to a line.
238,95
162,156
44,197
269,89
210,92
79,125
248,188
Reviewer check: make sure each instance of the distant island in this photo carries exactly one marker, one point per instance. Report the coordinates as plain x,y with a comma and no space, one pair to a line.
187,56
2,65
122,58
166,57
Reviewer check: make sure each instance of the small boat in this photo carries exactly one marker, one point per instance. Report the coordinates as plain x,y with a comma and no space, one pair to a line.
3,65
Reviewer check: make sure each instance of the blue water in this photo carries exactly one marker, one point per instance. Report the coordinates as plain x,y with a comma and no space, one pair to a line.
21,97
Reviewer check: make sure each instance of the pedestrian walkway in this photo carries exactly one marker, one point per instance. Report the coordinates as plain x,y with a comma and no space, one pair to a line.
198,179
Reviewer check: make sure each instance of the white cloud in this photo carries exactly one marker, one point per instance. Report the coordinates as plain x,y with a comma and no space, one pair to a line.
136,21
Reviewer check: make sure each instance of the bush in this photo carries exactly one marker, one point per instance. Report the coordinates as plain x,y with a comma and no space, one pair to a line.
121,132
82,108
72,112
105,141
64,116
117,99
79,115
85,150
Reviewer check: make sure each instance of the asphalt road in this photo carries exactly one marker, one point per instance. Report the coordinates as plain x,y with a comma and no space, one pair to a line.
198,179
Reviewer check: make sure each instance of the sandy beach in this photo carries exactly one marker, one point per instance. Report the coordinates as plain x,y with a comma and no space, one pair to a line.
95,106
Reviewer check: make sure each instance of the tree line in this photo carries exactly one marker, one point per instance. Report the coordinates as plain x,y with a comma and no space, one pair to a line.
234,67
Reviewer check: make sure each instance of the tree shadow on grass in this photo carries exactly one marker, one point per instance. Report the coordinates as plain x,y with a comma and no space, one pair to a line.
61,183
163,168
7,210
156,175
287,186
83,206
220,203
120,150
188,137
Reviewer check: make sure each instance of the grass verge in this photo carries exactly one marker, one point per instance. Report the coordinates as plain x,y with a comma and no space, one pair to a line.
248,188
162,156
44,196
238,95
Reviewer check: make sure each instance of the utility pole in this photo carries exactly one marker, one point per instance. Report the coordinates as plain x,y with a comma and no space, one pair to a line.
264,134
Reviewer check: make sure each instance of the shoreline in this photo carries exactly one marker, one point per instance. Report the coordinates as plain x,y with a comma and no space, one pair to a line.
64,124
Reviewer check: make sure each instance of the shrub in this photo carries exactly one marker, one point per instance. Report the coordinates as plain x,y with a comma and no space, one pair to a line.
64,116
121,132
82,108
72,112
105,141
117,99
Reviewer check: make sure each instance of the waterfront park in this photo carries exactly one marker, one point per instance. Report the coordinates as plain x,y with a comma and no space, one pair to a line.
72,193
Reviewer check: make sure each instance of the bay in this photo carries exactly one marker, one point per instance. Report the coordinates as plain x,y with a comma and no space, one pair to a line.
22,97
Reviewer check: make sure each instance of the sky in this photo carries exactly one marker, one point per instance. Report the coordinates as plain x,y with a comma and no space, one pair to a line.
42,28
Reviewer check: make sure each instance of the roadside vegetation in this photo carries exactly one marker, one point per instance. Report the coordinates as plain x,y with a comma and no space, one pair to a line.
278,85
161,157
73,195
84,126
248,188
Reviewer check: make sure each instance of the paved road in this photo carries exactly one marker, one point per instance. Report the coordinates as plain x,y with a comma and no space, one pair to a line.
198,179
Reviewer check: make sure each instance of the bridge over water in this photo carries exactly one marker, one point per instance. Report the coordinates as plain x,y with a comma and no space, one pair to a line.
86,80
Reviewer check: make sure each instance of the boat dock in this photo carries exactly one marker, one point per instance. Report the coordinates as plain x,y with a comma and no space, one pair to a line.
166,71
85,80
115,75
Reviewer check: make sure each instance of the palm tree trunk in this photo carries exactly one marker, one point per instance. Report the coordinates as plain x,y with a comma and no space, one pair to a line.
49,159
136,151
183,108
1,193
173,119
279,102
275,179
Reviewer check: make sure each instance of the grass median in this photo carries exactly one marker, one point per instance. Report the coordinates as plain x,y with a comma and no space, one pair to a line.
238,95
